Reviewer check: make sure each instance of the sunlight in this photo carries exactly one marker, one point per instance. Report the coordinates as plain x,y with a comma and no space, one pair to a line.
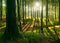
27,17
38,6
3,5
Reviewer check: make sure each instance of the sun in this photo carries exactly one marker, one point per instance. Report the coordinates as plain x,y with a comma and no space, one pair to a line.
38,6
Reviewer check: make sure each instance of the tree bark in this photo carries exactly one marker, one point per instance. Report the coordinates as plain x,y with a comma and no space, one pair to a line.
19,15
42,18
46,13
28,9
11,31
59,12
0,11
23,10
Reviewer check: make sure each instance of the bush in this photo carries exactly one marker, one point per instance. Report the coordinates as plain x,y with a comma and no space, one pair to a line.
34,37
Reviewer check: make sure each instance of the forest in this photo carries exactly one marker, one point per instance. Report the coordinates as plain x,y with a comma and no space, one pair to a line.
29,21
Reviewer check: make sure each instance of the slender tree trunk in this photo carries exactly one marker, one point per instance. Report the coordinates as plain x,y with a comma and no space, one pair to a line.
19,15
59,12
37,14
34,13
42,18
11,31
23,10
46,13
28,9
55,11
0,11
31,12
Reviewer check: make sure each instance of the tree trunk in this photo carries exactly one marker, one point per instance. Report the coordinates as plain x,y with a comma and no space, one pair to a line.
42,18
31,11
55,11
46,13
23,10
37,13
11,31
28,9
59,12
0,11
54,21
19,16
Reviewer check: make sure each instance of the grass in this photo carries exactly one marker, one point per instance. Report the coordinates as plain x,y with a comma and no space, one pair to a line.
1,33
29,37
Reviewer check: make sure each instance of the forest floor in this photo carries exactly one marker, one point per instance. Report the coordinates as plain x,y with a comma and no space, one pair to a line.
31,35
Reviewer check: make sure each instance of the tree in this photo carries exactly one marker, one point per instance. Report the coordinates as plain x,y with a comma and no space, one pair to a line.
46,13
42,18
54,21
23,10
28,8
55,10
0,10
11,31
59,12
31,12
37,13
19,15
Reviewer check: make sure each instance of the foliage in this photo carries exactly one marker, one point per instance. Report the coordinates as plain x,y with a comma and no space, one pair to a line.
30,37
